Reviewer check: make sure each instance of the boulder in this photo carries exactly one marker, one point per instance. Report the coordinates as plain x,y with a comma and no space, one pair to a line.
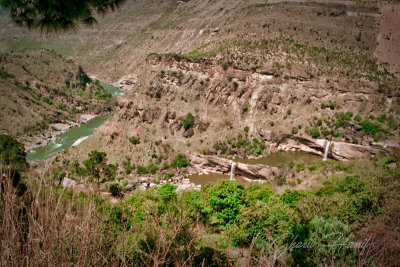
189,133
343,151
75,186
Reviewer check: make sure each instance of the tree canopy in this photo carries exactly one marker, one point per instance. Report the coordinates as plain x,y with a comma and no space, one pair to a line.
12,152
55,15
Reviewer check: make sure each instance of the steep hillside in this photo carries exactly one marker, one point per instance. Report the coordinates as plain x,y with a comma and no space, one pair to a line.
42,88
117,46
266,72
200,74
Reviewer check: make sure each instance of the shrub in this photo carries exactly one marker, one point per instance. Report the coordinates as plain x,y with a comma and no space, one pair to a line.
331,240
167,192
115,190
315,133
369,127
188,121
357,118
291,197
12,152
152,169
223,203
180,161
235,85
265,220
134,140
141,170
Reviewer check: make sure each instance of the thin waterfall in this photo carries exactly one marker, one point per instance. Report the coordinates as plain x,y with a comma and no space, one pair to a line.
233,171
326,150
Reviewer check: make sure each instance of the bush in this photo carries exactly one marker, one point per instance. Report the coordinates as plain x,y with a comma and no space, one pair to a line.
12,152
115,190
235,85
188,121
291,197
223,203
331,239
369,127
152,169
141,170
180,161
167,192
315,133
265,220
134,140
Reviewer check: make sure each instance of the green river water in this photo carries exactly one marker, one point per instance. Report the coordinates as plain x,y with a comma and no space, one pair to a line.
74,136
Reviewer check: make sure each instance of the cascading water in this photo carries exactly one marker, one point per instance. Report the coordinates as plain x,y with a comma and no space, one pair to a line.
326,150
233,171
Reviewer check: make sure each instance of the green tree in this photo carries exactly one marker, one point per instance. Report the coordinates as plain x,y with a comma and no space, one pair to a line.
95,164
12,152
51,15
223,202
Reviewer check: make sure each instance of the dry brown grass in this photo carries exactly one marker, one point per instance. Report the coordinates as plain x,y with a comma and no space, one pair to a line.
40,228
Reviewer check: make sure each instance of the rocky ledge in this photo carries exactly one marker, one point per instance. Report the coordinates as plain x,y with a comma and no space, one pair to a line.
203,163
337,149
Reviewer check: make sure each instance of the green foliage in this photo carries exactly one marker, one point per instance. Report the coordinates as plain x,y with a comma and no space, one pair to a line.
78,169
134,140
265,220
371,128
141,170
223,203
12,152
235,85
291,197
95,164
82,77
188,121
180,161
57,16
4,74
258,146
331,240
115,190
315,133
167,192
152,169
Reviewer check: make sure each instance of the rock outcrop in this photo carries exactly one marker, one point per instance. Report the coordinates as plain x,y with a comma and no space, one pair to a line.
337,150
217,164
75,186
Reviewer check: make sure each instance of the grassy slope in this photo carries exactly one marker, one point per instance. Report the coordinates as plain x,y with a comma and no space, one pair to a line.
41,87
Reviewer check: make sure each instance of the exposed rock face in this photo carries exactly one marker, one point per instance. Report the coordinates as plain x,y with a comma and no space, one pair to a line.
217,164
343,151
337,150
75,186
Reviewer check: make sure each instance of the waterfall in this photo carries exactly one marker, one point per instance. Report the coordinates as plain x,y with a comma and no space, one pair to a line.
326,150
233,171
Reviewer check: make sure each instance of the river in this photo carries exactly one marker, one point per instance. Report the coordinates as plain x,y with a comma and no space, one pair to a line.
74,136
